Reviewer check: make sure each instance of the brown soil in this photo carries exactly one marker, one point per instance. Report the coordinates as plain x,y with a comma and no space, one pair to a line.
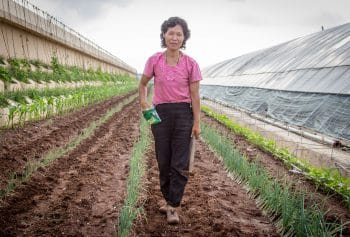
213,204
337,209
20,145
81,193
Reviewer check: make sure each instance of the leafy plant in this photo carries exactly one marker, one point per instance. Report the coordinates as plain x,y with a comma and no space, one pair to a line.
49,102
55,65
4,75
3,101
21,70
16,69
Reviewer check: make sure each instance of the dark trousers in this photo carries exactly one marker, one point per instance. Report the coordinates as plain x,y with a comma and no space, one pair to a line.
172,144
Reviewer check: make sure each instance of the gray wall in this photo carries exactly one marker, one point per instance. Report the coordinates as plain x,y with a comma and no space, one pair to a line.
28,32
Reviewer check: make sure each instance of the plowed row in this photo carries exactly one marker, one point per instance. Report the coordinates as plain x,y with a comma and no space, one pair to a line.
81,193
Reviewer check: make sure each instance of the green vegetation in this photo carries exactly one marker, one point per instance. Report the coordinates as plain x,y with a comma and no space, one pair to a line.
20,69
32,166
329,179
130,210
19,96
57,68
3,101
284,206
46,106
37,63
33,104
2,60
4,75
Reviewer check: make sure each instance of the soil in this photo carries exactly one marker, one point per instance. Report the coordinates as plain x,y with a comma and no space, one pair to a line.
20,145
216,205
81,193
213,204
336,207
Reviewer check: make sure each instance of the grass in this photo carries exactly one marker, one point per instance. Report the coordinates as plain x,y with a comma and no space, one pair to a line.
56,153
286,207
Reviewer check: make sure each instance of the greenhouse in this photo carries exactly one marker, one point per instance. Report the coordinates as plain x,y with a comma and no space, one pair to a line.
85,151
304,82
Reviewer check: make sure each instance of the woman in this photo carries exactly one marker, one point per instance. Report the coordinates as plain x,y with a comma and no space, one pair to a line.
176,99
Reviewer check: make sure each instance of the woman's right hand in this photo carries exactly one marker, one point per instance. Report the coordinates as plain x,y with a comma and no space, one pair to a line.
145,105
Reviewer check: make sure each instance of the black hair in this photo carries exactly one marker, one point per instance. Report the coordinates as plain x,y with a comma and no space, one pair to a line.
172,22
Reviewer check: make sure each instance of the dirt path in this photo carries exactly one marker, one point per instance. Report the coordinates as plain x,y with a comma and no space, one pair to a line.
81,193
19,145
213,204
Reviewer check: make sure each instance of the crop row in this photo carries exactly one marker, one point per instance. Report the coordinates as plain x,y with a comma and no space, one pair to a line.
31,166
329,179
286,207
61,101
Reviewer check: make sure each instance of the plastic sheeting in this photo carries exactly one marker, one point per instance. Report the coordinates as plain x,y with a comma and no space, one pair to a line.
326,113
303,82
316,63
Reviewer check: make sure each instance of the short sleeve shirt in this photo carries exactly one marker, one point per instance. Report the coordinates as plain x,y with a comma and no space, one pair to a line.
172,83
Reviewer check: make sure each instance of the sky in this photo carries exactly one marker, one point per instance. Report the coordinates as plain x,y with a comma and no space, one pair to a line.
220,29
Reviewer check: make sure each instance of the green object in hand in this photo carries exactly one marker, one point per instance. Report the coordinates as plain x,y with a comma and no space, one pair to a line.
151,116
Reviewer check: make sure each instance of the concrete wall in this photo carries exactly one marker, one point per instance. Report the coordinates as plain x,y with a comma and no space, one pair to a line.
28,32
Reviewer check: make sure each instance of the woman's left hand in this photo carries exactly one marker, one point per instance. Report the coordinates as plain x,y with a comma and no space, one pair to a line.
196,130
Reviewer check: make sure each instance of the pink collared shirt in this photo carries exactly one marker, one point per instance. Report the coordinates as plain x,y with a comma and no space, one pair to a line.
172,83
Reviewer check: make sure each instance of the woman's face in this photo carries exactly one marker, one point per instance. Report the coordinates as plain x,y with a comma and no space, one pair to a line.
174,37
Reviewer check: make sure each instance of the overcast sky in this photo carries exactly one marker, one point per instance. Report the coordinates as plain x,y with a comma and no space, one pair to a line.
220,29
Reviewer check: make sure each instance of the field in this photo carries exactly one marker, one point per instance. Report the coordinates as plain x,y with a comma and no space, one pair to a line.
68,175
